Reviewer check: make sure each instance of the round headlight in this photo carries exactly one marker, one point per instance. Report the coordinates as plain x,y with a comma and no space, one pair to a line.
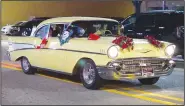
112,52
170,50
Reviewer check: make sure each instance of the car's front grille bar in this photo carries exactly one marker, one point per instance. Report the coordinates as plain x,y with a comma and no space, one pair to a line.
136,64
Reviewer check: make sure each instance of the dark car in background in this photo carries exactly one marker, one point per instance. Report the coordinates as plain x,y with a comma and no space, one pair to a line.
163,25
25,29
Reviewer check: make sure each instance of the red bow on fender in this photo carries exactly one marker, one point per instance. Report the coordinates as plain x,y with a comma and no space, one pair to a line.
124,42
93,37
153,41
43,43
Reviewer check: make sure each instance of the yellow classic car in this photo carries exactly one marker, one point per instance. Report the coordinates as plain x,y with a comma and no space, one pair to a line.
92,49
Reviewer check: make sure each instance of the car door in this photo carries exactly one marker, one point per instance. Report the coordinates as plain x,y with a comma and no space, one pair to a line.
145,25
52,56
163,25
38,56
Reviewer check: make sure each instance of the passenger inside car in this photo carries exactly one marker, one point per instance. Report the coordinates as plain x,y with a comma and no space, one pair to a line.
66,35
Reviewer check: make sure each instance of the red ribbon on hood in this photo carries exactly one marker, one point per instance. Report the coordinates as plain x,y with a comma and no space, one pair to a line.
124,42
153,41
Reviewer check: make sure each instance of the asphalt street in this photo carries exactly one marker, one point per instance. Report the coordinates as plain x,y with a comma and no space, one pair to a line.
46,88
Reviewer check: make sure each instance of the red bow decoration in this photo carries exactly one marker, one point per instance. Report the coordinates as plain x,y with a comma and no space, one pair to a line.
93,37
124,42
153,41
43,43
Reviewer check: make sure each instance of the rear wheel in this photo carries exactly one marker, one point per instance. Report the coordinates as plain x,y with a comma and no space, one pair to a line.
149,81
89,75
26,66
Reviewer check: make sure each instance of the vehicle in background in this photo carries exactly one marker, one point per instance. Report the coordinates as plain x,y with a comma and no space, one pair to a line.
41,18
25,29
6,29
165,25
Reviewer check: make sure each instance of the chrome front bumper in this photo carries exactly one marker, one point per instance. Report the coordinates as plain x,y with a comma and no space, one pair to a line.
111,73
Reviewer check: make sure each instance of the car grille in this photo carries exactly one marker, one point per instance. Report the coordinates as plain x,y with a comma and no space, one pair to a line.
136,64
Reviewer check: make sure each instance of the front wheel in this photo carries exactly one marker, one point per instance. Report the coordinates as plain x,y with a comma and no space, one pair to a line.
149,81
89,75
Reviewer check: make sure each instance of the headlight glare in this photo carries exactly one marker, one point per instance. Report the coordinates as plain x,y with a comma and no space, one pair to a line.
170,50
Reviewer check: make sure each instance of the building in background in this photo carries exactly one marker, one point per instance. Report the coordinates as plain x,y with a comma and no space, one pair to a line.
148,5
14,11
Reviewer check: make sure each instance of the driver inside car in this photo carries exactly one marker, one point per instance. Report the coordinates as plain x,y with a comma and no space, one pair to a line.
102,30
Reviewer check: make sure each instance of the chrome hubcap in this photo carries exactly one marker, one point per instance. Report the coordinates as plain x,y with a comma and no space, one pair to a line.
88,73
25,64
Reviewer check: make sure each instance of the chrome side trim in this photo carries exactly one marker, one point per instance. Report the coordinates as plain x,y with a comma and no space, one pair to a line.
31,47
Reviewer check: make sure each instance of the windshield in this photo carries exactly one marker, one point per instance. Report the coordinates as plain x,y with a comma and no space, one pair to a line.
101,28
129,20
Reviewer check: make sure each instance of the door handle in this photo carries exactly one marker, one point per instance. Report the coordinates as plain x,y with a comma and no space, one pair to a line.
139,33
148,30
130,30
161,27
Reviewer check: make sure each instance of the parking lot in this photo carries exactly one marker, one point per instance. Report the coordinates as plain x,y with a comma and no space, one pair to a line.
46,88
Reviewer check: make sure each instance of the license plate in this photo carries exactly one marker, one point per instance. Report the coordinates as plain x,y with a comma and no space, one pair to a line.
146,72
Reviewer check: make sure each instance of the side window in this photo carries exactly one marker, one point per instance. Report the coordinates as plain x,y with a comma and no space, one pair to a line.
162,20
42,32
130,20
146,21
56,29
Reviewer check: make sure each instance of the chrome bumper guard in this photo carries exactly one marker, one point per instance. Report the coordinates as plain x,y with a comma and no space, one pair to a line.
117,73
